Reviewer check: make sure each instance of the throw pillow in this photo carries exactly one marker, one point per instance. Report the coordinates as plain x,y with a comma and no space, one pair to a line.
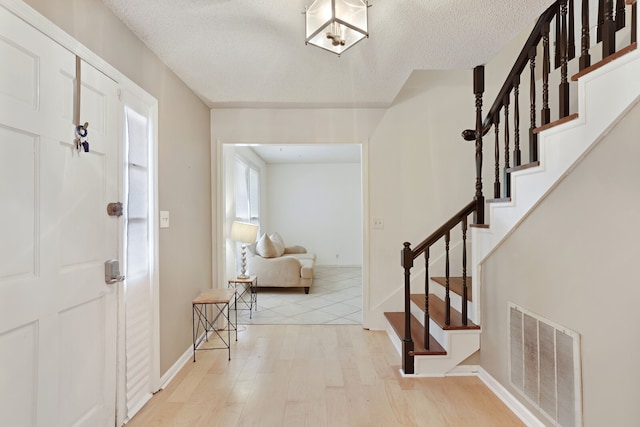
266,248
278,242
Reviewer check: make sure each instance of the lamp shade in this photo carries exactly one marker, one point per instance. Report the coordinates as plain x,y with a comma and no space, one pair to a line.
336,25
244,232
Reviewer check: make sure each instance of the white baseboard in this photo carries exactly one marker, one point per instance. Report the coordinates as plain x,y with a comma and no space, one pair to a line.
463,371
133,411
182,360
175,368
339,265
420,375
525,415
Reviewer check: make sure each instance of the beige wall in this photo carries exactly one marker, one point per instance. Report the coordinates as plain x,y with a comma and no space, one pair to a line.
573,261
420,170
282,126
183,161
421,173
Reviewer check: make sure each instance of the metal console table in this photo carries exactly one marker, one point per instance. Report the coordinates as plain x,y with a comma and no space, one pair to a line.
220,301
247,291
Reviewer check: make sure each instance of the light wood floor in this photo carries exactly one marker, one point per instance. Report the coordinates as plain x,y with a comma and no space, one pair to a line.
316,375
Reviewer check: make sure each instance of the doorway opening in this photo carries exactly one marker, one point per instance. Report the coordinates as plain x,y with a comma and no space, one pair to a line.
313,196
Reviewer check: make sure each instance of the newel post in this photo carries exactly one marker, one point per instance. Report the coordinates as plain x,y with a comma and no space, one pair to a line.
478,90
407,341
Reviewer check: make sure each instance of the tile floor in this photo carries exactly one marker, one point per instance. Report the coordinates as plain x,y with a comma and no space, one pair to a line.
335,297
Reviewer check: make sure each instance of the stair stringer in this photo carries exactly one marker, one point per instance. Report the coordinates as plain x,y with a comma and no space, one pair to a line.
604,96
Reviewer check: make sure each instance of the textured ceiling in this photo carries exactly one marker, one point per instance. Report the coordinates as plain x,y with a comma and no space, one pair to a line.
251,53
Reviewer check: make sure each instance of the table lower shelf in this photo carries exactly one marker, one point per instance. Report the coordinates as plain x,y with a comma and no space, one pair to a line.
219,301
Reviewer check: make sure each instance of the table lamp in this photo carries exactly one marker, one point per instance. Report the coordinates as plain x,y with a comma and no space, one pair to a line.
245,233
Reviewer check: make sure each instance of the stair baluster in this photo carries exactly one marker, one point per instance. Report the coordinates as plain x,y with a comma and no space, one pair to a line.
545,113
564,84
557,45
634,22
608,30
426,299
571,42
533,137
496,183
517,154
600,20
620,14
585,57
465,301
507,175
447,298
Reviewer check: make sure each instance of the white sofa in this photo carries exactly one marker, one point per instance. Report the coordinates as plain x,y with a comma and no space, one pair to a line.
289,267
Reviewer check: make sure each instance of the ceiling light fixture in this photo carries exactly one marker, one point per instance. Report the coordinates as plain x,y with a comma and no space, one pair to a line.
336,25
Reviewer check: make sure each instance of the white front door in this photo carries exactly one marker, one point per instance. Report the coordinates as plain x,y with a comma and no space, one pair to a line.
57,314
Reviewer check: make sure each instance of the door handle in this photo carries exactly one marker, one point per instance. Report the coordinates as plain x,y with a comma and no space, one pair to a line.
112,271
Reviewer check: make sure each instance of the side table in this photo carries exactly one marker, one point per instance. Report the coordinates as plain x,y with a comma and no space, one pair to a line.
220,300
247,291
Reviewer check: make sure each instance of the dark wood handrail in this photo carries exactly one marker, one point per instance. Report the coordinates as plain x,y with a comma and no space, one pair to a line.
516,70
444,228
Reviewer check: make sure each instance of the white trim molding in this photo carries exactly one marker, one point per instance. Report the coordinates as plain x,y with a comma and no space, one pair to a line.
521,411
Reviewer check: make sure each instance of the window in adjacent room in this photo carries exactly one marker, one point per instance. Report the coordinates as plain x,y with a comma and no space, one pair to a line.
247,193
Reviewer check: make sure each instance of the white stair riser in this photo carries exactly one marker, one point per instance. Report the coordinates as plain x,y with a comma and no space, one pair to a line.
462,344
395,339
435,330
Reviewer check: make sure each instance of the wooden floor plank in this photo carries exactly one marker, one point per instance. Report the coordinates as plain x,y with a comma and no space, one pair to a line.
275,387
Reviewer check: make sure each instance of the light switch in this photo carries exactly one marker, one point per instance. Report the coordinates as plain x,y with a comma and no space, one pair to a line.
164,219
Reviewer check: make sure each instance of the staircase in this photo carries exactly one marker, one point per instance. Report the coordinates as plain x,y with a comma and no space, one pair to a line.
441,324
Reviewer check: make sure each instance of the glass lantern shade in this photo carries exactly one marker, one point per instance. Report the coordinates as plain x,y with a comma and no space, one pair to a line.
336,25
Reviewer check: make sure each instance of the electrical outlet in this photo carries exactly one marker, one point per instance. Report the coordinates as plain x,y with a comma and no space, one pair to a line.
164,219
378,223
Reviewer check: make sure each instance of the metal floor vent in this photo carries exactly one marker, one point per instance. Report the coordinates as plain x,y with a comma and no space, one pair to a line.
544,365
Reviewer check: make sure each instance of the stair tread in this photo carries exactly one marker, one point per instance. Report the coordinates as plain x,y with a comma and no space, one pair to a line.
610,58
396,319
455,285
556,123
437,313
523,167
